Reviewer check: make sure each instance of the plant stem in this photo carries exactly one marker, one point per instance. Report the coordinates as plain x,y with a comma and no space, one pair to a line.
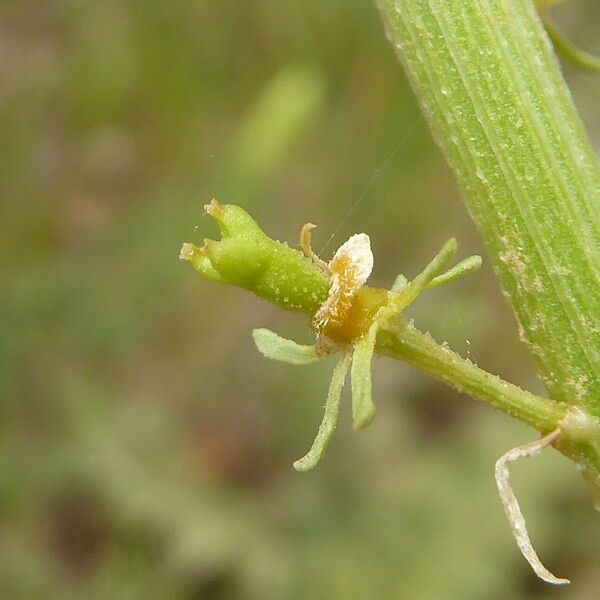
405,342
490,87
579,441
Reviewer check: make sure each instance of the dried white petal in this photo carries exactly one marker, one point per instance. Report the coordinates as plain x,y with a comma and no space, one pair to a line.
511,505
356,250
349,269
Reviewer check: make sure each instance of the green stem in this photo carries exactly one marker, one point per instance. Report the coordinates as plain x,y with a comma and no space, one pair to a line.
490,87
580,441
405,342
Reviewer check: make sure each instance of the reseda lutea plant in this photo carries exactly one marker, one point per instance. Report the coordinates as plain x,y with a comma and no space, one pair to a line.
355,321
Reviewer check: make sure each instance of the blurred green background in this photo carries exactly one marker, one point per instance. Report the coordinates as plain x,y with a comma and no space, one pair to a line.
145,446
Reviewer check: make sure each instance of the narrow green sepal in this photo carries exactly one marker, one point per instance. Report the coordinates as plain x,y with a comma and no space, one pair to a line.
363,409
274,346
330,417
439,262
464,267
432,270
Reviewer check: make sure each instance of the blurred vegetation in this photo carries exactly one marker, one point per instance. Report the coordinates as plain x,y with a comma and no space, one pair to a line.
145,447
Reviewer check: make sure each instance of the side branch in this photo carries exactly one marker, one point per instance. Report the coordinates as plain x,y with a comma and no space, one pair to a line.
405,342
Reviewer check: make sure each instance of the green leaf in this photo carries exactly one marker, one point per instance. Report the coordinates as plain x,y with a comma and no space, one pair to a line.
274,346
330,417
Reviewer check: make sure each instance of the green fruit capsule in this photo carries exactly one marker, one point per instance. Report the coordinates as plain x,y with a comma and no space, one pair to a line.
245,256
